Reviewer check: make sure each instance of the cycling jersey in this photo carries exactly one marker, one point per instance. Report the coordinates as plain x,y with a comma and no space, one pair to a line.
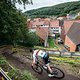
38,53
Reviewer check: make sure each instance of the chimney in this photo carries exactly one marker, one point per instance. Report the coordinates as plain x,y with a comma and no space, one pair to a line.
61,22
68,17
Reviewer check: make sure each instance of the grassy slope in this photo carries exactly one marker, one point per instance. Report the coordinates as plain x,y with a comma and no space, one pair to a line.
18,75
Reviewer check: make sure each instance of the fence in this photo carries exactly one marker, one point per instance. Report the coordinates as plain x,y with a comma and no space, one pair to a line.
3,75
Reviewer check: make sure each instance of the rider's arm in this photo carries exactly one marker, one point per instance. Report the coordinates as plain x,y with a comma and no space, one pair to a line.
34,59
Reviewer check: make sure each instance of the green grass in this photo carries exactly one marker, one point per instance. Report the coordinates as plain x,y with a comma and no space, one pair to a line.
45,48
51,43
2,60
73,61
18,75
15,73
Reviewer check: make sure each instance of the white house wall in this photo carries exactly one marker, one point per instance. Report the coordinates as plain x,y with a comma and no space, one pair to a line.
55,30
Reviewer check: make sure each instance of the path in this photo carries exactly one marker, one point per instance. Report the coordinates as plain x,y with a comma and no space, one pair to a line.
23,63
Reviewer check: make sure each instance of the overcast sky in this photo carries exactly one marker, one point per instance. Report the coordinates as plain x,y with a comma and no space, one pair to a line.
41,3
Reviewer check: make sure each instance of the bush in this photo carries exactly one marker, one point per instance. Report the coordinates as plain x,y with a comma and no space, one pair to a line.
78,18
18,75
15,74
2,60
31,40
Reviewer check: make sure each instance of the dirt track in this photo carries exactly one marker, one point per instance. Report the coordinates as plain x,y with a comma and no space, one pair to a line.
23,63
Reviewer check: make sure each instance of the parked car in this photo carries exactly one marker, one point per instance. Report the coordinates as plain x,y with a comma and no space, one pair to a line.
68,48
60,41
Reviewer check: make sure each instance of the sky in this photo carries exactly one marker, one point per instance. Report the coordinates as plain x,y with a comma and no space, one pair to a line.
41,3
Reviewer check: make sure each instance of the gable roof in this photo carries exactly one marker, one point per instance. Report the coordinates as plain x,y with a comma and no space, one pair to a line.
68,24
74,33
46,22
42,32
54,23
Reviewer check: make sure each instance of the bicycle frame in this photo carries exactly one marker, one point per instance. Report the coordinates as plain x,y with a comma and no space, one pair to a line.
38,63
39,67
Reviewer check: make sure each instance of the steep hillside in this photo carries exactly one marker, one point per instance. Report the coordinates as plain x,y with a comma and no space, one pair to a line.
56,10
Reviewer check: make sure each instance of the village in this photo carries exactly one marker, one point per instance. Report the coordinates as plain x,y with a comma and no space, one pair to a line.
39,40
64,32
66,29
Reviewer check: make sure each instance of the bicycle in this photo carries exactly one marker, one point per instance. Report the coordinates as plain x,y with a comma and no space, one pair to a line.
58,73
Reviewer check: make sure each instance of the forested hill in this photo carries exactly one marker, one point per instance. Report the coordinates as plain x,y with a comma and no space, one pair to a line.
56,10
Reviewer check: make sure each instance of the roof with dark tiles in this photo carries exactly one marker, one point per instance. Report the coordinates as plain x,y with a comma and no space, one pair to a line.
74,33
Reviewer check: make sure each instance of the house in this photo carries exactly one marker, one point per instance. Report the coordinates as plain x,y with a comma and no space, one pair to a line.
41,22
72,39
54,27
44,27
43,35
31,26
65,28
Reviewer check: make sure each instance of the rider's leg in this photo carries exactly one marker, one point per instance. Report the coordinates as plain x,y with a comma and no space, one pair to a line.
46,61
48,66
50,70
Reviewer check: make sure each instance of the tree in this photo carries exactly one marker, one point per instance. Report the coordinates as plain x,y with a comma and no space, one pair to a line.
18,1
13,27
78,18
29,40
33,39
11,22
56,10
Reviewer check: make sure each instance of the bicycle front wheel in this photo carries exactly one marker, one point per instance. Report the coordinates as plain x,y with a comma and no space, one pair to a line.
58,73
37,68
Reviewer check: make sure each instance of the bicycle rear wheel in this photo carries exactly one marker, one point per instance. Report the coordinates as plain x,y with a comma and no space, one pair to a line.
37,68
58,73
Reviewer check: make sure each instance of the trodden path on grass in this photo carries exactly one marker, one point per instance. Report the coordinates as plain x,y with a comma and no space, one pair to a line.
23,63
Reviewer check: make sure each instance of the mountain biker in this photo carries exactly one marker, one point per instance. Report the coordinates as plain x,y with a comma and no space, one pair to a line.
45,56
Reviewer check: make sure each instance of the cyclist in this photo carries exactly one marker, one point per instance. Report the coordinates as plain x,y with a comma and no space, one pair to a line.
45,56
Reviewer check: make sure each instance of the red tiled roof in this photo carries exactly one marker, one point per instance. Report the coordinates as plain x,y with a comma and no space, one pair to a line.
41,21
42,32
46,22
47,19
54,23
68,24
38,23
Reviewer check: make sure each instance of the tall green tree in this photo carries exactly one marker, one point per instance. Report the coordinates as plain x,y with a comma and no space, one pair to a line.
13,2
13,27
11,21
